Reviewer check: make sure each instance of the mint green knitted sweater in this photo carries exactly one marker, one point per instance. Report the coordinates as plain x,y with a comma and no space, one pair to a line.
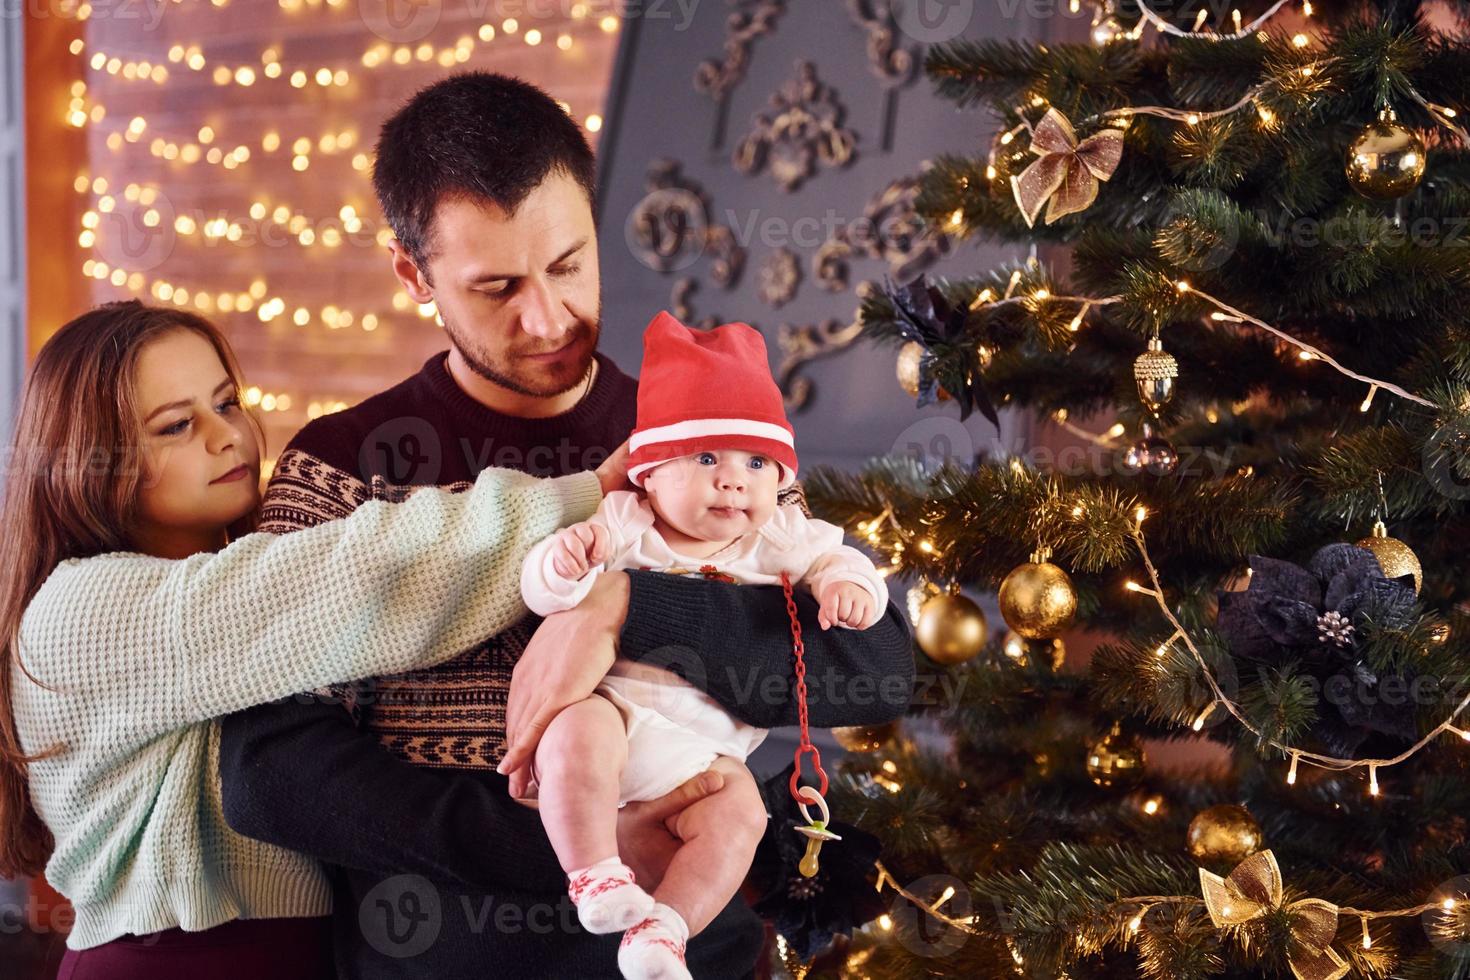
137,655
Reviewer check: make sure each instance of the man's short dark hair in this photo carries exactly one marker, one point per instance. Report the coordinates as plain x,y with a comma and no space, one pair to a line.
479,134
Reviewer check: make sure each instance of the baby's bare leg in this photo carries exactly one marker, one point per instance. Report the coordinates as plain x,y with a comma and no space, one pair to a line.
579,764
720,833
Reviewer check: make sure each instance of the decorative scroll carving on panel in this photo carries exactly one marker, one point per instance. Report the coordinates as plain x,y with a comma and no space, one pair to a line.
726,255
684,287
753,19
779,276
717,78
669,229
890,229
680,306
802,343
893,64
804,128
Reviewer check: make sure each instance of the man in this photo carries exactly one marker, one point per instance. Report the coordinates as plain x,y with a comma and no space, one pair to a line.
436,871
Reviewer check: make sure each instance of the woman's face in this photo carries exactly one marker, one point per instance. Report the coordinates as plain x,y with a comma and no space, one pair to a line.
201,459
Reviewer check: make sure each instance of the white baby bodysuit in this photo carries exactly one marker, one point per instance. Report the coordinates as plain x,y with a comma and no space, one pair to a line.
675,730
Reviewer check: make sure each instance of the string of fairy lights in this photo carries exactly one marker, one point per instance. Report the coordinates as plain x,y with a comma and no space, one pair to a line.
270,66
1220,699
1446,905
1107,30
1225,313
268,218
1036,300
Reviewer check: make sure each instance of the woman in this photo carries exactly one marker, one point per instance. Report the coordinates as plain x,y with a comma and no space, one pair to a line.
118,660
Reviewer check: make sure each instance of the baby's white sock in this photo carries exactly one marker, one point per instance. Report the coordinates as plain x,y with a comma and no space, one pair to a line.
607,900
654,948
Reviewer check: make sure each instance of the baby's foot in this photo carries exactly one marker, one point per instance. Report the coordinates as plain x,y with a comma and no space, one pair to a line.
654,948
607,900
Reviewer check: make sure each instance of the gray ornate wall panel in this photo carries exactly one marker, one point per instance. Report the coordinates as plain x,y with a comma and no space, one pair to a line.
759,165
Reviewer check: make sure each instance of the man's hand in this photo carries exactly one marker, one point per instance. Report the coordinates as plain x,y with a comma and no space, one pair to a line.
568,654
578,547
614,471
846,604
645,842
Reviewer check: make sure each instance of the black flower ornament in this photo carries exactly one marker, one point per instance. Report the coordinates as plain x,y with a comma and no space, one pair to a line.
1315,616
809,912
925,316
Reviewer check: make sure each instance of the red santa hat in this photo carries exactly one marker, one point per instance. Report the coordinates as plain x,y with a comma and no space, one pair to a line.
705,390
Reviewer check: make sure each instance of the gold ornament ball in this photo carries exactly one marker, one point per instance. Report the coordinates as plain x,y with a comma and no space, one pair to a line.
909,357
1037,600
1394,557
865,738
951,629
918,595
1018,648
1116,761
1223,836
1386,160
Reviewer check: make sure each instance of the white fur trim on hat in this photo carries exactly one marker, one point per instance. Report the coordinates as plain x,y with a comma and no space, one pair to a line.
694,428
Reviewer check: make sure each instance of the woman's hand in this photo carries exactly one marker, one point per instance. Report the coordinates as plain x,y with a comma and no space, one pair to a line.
614,471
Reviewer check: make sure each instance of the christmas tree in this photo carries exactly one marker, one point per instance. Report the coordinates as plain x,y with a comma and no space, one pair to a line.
1262,331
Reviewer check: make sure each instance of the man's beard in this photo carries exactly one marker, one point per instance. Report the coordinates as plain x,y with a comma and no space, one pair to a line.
524,378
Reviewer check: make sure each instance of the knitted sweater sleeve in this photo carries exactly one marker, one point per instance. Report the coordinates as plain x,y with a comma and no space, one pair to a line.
735,643
737,639
152,644
301,774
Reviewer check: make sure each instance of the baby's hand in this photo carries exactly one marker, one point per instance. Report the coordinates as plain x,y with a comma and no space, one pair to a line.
578,548
846,604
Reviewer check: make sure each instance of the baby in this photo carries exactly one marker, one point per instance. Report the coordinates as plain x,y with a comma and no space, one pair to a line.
711,450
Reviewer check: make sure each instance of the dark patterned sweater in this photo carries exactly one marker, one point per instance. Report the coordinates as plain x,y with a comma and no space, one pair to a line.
398,794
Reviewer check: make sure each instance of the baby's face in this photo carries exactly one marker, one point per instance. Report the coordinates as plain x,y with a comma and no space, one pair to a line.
716,495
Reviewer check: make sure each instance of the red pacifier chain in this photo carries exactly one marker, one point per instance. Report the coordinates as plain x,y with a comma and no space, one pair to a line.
815,831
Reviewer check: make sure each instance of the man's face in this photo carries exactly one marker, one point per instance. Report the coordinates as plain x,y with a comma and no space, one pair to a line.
518,293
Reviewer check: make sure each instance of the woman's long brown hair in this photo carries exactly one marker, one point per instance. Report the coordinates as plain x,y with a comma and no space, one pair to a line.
71,491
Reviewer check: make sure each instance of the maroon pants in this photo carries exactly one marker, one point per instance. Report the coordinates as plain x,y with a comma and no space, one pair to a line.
246,949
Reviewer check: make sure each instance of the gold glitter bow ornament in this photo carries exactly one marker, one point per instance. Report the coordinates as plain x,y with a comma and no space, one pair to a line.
1066,172
1253,889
